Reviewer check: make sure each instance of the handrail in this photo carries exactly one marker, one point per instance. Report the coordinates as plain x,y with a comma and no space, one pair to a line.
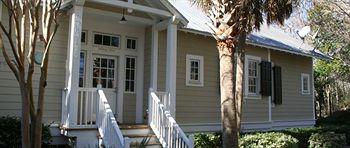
164,125
108,126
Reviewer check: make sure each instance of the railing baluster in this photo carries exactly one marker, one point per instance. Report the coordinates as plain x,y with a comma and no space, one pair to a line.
81,108
86,107
164,125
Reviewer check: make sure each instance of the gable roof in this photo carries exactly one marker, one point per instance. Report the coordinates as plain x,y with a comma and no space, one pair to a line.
272,37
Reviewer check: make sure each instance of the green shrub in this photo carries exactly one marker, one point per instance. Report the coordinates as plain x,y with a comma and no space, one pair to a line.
327,140
337,118
344,129
10,135
268,140
207,140
302,134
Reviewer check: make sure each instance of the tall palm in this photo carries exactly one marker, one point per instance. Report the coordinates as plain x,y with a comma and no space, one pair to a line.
232,21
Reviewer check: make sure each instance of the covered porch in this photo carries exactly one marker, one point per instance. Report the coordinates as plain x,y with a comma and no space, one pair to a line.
105,69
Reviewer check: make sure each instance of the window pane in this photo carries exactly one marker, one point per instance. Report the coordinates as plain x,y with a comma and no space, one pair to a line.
96,72
94,82
115,41
98,39
103,83
110,63
81,69
132,88
128,43
104,63
96,62
106,40
127,86
83,34
110,73
104,73
132,63
110,83
133,45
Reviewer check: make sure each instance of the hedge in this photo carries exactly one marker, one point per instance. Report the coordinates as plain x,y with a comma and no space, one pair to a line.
327,140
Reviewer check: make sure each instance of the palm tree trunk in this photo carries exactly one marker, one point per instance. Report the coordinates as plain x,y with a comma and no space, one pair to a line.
240,55
227,80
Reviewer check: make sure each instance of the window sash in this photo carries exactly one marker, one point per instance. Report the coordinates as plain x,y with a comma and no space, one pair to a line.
106,40
130,74
253,77
305,83
194,70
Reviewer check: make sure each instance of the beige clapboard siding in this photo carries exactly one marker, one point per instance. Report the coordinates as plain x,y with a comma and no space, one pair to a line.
10,100
255,110
129,108
197,104
202,104
147,69
295,105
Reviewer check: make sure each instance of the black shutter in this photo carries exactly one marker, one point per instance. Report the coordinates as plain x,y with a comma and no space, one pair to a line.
265,81
277,79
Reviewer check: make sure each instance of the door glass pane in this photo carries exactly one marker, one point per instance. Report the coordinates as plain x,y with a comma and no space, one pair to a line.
103,72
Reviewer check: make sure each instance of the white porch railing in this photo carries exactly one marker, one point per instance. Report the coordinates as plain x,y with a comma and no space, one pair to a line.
164,125
93,111
87,100
107,125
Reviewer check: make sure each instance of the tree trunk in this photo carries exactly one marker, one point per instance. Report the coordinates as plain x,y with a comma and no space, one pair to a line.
240,53
25,128
227,80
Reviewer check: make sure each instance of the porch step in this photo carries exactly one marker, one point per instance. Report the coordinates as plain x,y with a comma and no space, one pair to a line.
140,135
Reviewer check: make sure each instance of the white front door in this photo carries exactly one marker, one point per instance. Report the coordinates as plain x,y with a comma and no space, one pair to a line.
104,72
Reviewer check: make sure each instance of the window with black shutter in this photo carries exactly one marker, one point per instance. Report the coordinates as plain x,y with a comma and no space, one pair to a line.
265,83
277,80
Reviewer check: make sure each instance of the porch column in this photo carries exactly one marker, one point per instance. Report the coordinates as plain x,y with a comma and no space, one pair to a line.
154,58
73,61
171,65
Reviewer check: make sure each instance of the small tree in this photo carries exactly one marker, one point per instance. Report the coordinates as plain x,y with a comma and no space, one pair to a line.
231,22
26,27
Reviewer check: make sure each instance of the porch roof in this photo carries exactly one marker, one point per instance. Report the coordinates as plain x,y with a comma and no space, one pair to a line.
272,37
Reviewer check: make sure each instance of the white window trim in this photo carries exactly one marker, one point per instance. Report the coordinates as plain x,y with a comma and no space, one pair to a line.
135,75
188,70
246,94
132,38
106,34
305,92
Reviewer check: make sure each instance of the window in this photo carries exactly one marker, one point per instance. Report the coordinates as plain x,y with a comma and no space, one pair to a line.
131,43
194,70
83,37
106,40
305,83
103,72
82,70
130,72
252,76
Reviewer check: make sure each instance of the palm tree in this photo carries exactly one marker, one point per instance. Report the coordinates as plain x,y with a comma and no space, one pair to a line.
231,22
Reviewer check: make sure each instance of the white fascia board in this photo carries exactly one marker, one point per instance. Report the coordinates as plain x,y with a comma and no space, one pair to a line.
133,6
173,10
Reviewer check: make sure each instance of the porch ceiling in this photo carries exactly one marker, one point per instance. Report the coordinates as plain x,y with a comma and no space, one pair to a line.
143,8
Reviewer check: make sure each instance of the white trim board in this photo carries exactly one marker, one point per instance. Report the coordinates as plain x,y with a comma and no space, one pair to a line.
249,126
